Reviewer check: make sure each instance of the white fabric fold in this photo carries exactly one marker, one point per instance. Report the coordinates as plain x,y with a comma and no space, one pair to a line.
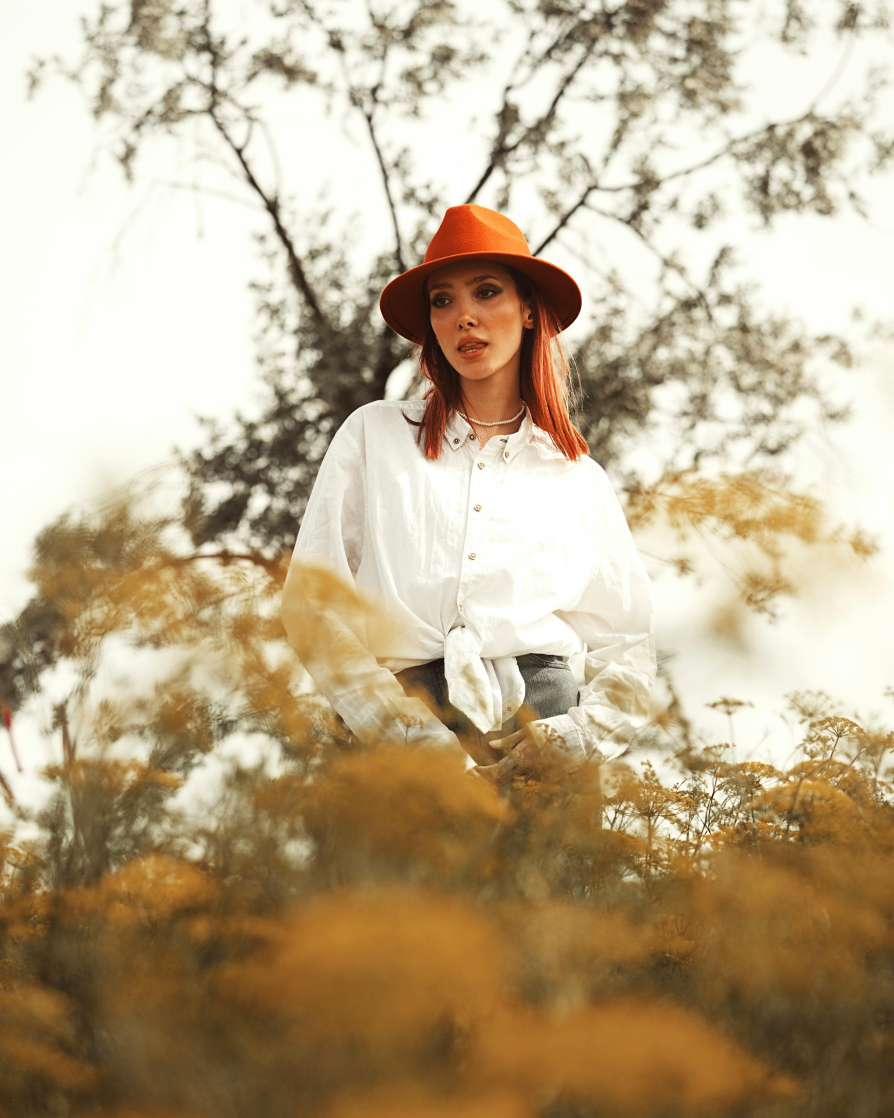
488,692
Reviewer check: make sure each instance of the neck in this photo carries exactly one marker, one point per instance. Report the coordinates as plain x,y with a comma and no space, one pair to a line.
489,403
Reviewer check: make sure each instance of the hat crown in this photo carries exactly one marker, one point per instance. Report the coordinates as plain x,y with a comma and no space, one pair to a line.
474,229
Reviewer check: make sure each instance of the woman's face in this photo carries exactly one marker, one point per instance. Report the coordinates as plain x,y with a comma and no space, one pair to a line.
478,317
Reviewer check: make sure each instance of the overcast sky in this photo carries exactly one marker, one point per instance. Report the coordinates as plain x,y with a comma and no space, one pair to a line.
125,313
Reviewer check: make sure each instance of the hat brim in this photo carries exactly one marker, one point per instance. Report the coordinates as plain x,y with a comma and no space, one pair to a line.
403,307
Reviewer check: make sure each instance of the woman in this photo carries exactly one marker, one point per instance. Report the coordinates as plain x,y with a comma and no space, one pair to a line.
476,518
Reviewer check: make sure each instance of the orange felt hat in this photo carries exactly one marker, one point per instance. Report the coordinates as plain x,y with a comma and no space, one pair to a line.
467,232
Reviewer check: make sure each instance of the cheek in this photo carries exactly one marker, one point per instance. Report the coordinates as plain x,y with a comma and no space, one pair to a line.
437,327
509,324
442,322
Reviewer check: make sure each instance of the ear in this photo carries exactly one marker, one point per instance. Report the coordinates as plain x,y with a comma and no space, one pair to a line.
528,321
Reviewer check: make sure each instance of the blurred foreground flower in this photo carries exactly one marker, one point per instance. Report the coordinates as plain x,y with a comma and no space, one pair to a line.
342,929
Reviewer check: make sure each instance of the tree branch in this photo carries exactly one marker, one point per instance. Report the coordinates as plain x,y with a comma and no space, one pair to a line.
210,191
271,205
386,183
666,261
563,221
596,187
223,556
500,150
368,114
709,160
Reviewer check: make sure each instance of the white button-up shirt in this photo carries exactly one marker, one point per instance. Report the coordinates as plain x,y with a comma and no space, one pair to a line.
487,554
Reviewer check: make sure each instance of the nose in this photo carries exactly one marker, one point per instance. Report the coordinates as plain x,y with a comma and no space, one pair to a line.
465,318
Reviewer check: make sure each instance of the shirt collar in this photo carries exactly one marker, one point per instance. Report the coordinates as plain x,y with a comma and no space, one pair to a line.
539,438
458,430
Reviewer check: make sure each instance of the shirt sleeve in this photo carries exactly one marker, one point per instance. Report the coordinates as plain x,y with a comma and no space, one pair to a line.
325,619
614,617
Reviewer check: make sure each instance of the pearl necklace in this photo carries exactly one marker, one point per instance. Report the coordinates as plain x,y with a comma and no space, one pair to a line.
499,423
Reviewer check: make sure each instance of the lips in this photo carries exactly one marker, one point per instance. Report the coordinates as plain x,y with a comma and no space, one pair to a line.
471,345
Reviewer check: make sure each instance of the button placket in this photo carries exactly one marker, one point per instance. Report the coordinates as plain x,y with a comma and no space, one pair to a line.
474,544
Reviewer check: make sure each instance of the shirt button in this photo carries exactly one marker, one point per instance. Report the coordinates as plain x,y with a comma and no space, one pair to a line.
473,435
471,554
506,454
480,465
456,440
478,508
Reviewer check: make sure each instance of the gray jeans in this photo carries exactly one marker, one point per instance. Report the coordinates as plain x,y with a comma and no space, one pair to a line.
550,689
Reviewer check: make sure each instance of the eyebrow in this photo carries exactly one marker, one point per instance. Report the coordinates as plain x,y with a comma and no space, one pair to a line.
468,283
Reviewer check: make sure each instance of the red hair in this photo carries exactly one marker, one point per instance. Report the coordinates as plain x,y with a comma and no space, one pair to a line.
543,379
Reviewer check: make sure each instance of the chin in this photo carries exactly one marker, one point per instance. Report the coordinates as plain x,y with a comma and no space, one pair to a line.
480,370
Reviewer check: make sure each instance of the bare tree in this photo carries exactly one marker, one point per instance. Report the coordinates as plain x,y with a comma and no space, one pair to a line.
630,114
588,117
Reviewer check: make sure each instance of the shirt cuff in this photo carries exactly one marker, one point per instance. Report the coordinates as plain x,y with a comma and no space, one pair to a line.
563,733
607,732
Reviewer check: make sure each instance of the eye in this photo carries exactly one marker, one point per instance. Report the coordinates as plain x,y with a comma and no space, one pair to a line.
487,291
439,300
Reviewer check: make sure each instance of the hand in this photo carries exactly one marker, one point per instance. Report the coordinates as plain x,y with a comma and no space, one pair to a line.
530,752
519,745
479,749
498,774
519,753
